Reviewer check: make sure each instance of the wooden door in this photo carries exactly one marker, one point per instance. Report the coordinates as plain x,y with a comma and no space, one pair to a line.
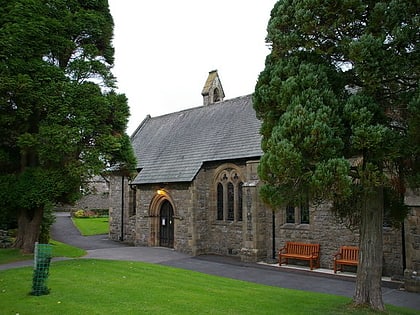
166,234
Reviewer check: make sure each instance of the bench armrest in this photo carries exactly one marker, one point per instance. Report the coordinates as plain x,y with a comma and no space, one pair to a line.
283,250
337,256
315,254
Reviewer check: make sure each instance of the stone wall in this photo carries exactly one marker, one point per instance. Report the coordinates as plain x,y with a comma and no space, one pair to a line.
115,208
412,242
96,196
5,239
325,229
412,239
221,237
149,199
257,226
196,230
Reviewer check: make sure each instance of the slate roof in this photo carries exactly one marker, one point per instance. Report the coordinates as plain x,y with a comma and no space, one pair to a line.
173,147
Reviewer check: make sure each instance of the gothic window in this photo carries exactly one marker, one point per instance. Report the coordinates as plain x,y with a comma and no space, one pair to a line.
219,201
239,206
229,196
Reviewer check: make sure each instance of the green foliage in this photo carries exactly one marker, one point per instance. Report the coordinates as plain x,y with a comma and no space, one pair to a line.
79,214
339,102
47,221
60,119
90,213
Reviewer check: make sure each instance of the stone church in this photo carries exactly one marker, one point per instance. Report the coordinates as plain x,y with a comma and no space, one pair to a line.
196,191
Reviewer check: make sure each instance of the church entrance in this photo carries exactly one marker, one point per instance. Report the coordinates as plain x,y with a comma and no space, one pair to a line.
166,230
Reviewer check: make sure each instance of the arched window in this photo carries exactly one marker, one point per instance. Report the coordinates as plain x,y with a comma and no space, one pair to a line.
216,95
231,203
219,201
229,195
239,205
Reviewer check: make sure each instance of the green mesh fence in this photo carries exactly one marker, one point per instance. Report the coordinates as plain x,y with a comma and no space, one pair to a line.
42,259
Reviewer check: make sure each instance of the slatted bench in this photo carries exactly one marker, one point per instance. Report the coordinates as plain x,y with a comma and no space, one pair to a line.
348,255
301,251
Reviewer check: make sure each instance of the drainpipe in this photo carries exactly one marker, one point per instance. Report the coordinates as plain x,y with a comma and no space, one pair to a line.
274,234
122,209
404,257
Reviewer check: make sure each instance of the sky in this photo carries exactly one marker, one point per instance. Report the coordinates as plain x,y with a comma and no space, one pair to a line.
164,50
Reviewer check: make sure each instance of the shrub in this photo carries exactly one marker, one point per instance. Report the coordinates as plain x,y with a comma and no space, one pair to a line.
90,213
79,214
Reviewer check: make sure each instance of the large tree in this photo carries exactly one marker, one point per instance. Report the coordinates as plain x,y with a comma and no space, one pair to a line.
339,104
60,119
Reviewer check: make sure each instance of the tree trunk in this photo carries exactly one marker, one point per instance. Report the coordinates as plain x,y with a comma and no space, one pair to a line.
369,272
29,228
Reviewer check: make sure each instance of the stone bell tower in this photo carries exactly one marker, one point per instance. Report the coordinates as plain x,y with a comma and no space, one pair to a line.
212,90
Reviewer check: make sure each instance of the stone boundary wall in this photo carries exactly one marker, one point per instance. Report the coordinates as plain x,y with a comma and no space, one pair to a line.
5,239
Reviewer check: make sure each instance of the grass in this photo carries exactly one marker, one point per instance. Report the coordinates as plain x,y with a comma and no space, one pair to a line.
88,286
9,255
92,226
86,226
64,250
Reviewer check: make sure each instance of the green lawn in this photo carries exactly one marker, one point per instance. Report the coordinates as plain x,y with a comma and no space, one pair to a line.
9,255
86,226
87,286
92,226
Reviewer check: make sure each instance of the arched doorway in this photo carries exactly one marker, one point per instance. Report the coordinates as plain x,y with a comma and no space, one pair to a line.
166,229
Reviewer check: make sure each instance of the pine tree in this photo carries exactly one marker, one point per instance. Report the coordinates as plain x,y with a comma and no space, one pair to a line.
339,102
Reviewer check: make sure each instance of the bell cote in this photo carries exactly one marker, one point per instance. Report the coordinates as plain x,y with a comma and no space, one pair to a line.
212,90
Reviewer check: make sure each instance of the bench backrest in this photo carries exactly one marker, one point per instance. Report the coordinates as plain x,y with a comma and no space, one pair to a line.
349,253
301,248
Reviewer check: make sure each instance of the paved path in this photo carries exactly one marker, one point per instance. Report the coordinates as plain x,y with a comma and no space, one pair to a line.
101,247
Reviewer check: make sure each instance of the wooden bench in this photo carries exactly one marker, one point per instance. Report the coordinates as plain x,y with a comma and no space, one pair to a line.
300,251
348,255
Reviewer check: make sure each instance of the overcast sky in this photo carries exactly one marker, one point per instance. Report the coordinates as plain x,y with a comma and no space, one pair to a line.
164,50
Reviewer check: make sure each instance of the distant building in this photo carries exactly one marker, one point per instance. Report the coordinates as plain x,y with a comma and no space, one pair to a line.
95,196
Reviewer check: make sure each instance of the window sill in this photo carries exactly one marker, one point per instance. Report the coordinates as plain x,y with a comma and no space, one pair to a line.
225,222
295,226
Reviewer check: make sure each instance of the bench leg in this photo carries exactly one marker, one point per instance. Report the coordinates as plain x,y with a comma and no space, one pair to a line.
282,260
337,267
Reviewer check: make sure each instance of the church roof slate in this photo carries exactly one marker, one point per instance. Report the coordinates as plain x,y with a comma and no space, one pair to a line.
173,147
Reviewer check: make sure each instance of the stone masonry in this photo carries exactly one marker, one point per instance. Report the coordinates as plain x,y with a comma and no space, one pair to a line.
196,230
